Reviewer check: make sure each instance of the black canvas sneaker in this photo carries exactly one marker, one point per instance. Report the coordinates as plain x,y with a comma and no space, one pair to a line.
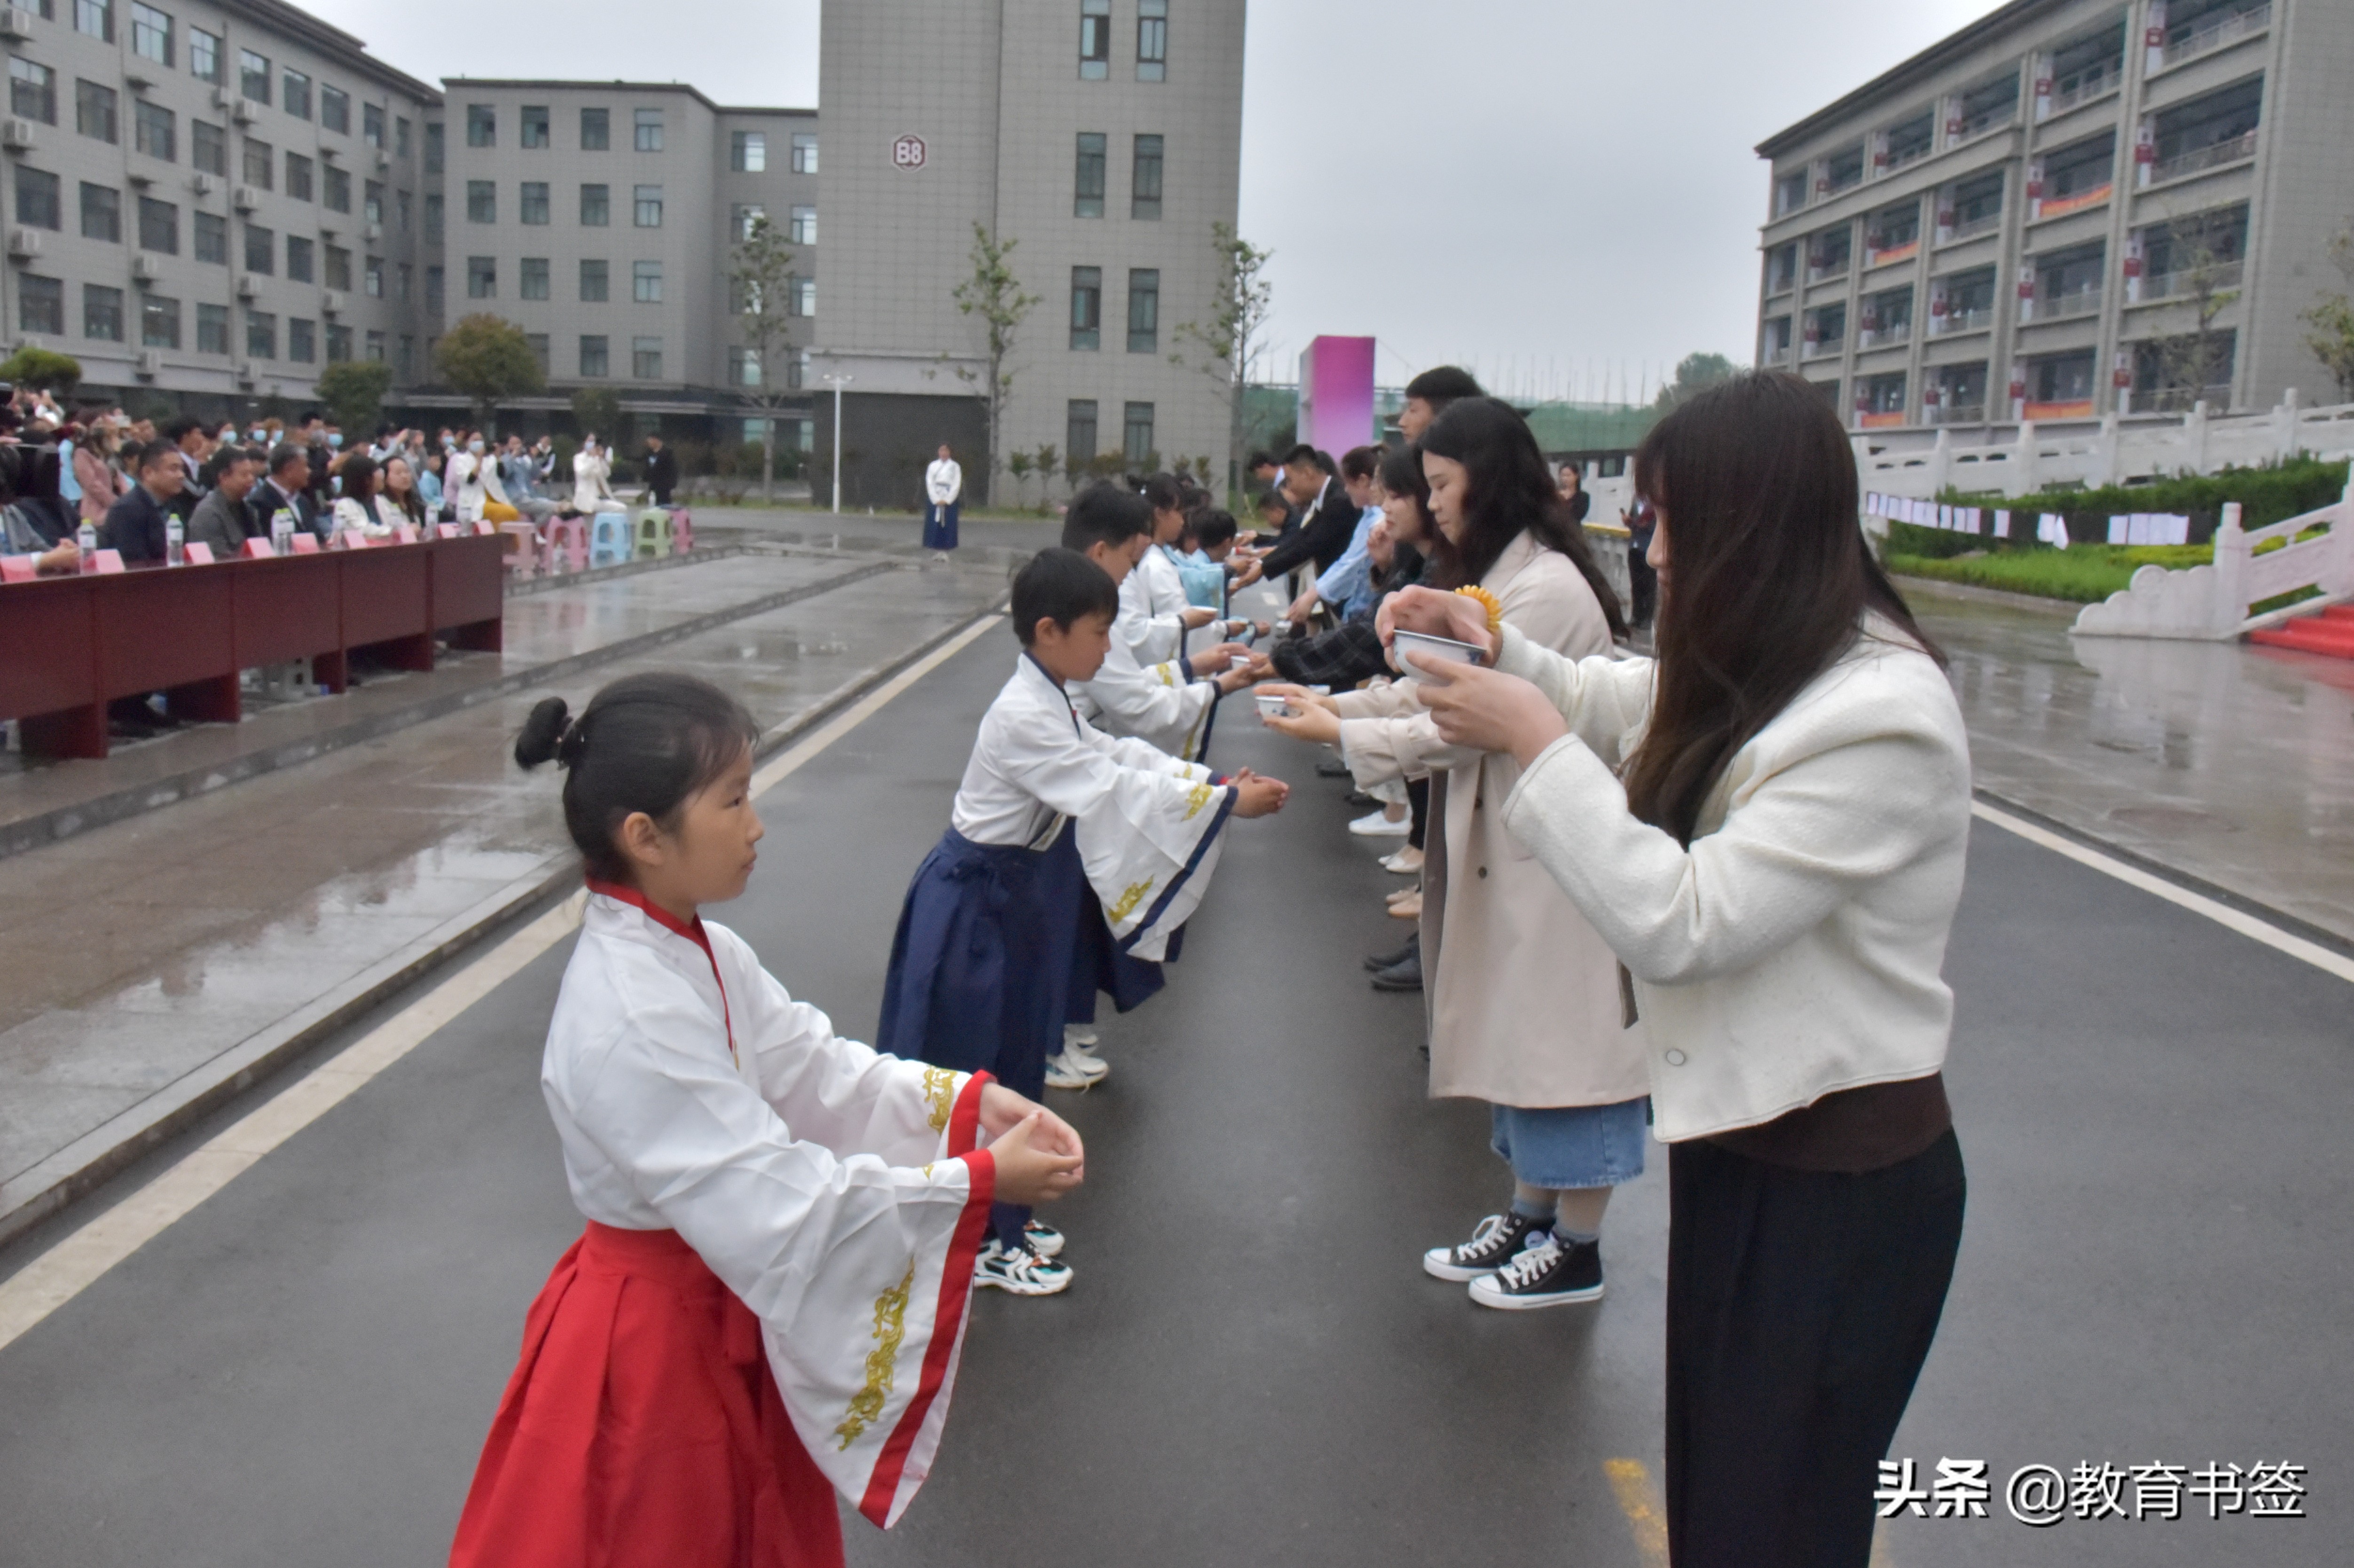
1492,1245
1547,1275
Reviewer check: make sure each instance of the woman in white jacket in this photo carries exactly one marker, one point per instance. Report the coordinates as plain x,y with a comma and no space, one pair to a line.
591,470
1525,1009
1767,824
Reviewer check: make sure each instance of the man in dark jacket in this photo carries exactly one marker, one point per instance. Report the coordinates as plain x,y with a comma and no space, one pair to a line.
661,471
285,490
1327,518
135,524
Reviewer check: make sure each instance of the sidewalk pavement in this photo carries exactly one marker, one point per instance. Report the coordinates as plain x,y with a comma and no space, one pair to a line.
156,965
2221,762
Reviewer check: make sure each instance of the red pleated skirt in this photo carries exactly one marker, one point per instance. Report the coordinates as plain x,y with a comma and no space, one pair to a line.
642,1428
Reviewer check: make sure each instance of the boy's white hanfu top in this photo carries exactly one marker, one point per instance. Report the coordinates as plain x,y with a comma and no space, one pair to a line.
1147,824
835,1189
1153,606
1159,703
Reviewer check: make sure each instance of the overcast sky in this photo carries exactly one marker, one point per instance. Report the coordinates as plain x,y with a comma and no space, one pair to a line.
1559,193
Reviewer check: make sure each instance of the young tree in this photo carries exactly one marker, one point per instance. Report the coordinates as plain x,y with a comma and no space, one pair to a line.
354,389
1222,345
2331,318
760,273
1017,463
490,360
598,411
2193,361
1044,461
995,295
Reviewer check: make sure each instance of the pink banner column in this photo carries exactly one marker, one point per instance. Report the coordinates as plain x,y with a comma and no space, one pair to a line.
1336,393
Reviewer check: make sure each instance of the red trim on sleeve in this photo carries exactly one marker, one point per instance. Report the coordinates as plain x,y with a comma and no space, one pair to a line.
964,1122
948,1324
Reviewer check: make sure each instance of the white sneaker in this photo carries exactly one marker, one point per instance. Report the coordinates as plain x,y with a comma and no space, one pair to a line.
1079,1059
1023,1272
1078,1034
1373,825
1043,1239
1061,1075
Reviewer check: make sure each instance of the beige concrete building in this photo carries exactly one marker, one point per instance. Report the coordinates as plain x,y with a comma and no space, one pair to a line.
2067,209
601,217
1104,138
211,200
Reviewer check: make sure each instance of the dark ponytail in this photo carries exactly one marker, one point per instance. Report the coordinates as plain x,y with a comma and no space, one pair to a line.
645,743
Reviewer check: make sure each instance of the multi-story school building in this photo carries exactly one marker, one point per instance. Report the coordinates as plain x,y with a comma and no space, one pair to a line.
1104,138
2066,209
212,200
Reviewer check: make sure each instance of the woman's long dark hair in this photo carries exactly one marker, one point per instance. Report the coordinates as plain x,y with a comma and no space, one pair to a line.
1509,490
1767,583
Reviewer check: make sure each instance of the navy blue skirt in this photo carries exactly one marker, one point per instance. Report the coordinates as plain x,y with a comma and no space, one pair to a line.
982,963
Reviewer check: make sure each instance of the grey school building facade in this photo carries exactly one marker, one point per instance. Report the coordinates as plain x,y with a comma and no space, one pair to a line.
2068,209
210,201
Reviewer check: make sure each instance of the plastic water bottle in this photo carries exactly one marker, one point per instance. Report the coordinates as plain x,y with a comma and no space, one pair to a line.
86,540
175,541
282,532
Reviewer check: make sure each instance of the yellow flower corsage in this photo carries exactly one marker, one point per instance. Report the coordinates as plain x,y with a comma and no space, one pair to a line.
1495,611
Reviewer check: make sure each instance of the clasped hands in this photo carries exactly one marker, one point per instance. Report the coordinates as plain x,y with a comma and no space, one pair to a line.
1037,1154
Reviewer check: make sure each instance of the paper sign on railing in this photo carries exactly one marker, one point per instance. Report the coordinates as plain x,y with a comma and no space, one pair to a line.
304,543
257,549
18,569
110,560
198,553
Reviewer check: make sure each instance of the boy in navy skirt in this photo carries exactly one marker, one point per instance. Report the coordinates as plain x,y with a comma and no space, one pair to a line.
1049,808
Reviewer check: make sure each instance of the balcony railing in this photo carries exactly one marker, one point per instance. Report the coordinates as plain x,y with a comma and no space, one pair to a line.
2183,284
2085,86
1912,154
1880,337
2179,400
1961,321
1819,348
2065,307
1971,227
1977,125
2215,34
1774,356
1825,274
1956,414
2229,152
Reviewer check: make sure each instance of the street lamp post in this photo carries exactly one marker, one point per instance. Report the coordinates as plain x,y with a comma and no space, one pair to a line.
837,383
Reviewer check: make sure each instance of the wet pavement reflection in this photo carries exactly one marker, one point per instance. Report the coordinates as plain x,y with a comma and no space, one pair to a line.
2230,763
134,954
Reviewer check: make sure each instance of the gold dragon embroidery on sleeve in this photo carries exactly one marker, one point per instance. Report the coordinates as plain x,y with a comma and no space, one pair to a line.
939,1093
882,1362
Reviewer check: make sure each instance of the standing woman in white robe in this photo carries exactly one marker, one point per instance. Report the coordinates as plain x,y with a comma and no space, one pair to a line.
782,1224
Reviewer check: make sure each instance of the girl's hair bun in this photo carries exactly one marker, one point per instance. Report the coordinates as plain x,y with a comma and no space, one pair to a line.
544,733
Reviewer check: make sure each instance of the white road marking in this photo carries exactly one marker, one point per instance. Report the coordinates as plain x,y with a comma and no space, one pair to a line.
2246,925
80,1259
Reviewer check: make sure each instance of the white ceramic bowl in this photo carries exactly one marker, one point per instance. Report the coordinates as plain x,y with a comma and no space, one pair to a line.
1416,647
1273,707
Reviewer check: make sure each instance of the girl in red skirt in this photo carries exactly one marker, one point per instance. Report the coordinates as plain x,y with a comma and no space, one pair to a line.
769,1301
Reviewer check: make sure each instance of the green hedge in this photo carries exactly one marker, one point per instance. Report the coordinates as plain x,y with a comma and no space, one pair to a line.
2082,574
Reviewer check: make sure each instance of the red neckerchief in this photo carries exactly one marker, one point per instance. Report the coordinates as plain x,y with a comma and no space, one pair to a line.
691,930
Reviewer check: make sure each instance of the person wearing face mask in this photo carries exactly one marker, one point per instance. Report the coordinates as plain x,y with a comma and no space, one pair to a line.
591,471
461,479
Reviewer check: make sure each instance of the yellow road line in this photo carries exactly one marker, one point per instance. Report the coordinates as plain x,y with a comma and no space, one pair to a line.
1638,1499
2246,925
80,1259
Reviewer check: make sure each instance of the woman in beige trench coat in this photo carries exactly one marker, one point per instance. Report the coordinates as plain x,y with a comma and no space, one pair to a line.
1523,997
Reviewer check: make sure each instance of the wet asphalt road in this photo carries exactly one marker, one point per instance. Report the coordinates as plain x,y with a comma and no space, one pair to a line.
1250,1368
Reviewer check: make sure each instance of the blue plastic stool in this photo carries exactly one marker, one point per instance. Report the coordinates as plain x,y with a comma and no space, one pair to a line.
608,539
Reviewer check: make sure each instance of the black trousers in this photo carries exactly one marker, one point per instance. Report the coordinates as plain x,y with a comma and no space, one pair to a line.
1801,1306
